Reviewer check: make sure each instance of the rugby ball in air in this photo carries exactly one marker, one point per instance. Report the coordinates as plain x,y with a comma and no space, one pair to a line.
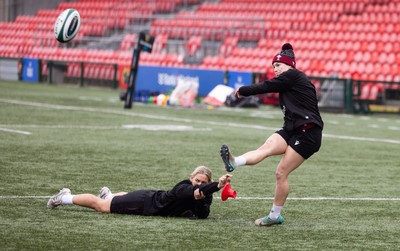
67,25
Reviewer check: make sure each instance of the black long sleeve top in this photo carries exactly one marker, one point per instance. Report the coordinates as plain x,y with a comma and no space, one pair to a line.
297,98
179,201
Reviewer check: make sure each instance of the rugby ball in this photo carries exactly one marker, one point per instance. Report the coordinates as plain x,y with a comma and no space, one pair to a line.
67,25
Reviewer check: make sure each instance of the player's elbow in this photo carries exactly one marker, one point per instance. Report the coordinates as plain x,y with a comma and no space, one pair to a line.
203,214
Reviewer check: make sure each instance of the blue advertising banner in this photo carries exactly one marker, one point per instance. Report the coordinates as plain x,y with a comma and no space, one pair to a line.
237,79
30,70
164,79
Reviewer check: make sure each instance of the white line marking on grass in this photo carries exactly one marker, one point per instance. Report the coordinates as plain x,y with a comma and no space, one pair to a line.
322,198
24,197
15,131
333,122
90,98
125,113
245,198
392,141
179,128
146,127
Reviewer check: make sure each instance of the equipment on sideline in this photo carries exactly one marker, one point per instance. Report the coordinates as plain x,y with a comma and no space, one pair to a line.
67,25
144,43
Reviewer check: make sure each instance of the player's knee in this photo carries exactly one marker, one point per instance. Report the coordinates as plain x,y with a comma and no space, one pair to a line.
280,175
102,206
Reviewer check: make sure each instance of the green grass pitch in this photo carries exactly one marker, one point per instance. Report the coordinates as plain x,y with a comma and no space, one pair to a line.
345,197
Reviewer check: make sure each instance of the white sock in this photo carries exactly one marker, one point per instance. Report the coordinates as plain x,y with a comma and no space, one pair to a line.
67,199
275,212
240,161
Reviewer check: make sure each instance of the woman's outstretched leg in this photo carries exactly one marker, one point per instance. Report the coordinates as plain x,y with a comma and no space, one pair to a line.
64,197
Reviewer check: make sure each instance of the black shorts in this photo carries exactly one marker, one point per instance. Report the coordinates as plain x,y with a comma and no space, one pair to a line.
130,203
305,142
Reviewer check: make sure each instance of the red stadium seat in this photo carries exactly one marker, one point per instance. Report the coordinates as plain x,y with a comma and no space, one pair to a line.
332,36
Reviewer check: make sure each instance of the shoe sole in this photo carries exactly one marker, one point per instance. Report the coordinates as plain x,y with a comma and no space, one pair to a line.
224,152
260,222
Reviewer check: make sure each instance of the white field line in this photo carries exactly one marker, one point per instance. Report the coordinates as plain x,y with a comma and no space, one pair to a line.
11,197
15,131
322,198
146,127
166,118
391,141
